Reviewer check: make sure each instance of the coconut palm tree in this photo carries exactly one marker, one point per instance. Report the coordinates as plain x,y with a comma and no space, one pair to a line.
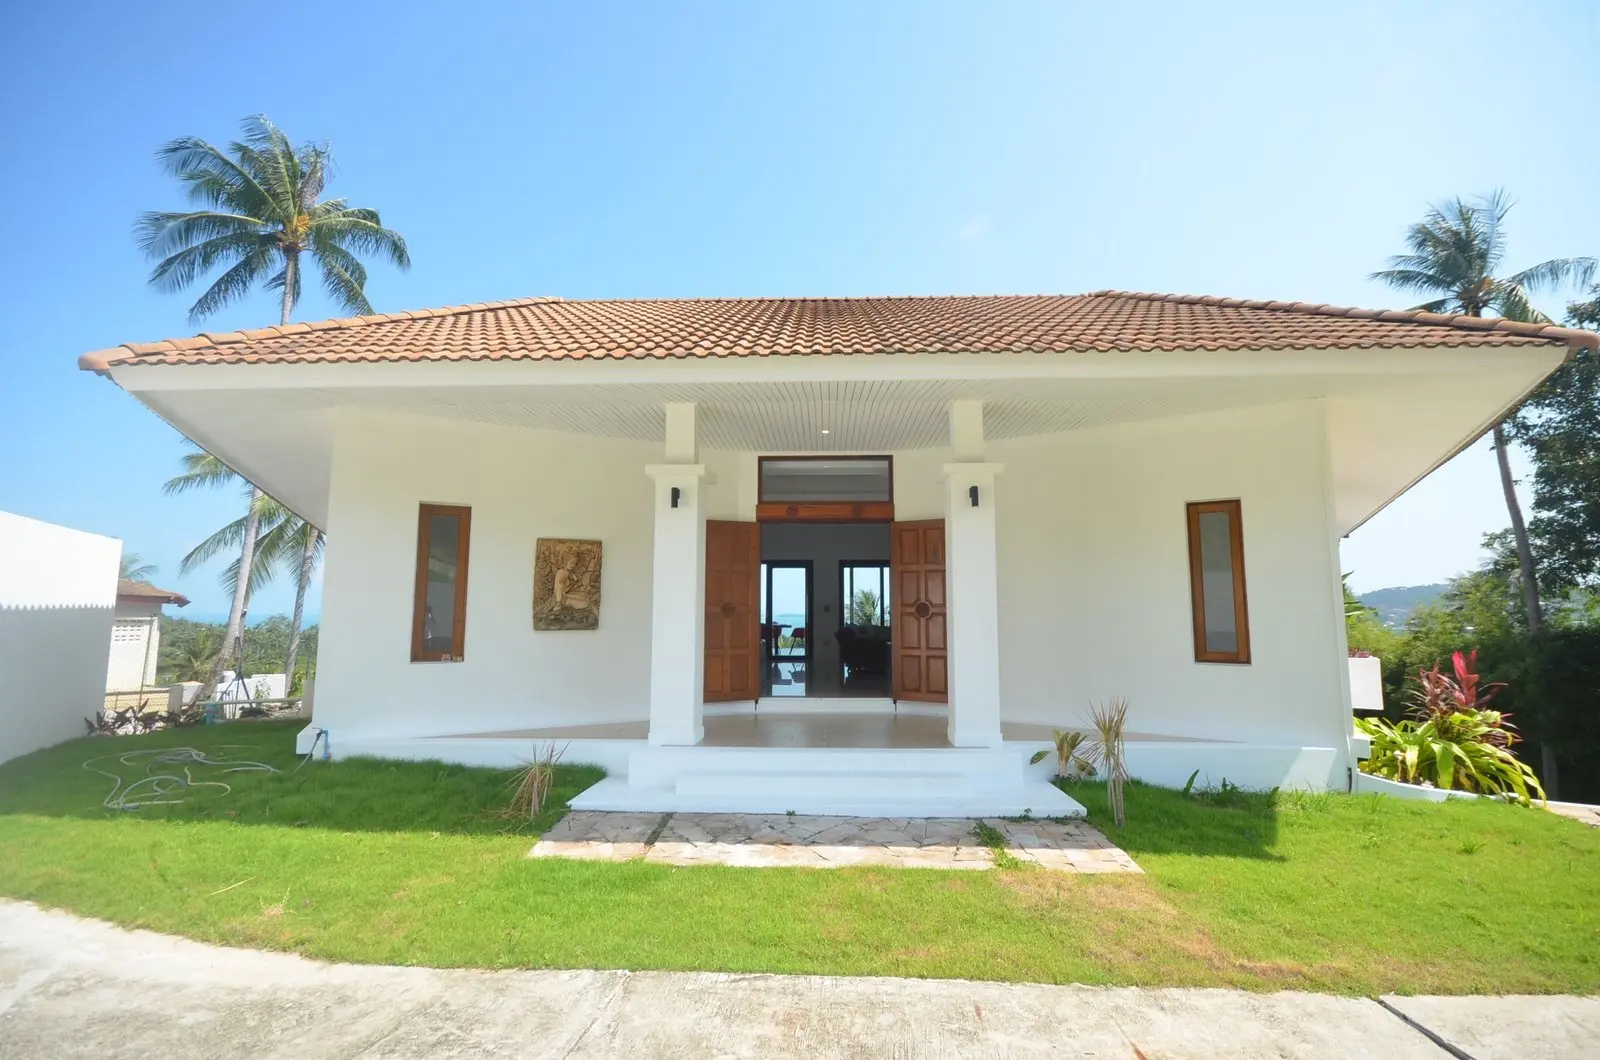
262,216
1453,254
284,542
135,569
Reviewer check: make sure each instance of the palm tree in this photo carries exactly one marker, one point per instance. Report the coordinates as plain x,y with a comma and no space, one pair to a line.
261,215
192,661
1453,254
283,542
135,569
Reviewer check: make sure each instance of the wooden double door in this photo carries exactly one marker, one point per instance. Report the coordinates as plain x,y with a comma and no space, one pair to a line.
921,647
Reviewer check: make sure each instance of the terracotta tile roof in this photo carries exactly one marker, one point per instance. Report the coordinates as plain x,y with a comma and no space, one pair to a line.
145,592
552,329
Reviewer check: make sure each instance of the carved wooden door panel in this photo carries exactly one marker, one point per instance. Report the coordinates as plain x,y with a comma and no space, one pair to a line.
921,642
733,648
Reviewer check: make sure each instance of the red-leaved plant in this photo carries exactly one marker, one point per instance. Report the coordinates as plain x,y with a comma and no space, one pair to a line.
1442,695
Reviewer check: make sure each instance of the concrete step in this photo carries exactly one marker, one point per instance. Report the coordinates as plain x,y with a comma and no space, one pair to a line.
805,783
1000,767
1035,798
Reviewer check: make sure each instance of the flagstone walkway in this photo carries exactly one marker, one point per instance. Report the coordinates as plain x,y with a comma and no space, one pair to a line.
769,840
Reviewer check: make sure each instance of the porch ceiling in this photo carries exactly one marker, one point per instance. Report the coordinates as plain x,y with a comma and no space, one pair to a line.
857,416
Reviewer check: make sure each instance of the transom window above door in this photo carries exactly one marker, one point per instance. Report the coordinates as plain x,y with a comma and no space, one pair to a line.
826,478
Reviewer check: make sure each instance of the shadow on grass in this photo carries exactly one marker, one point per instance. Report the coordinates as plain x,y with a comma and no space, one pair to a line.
1224,824
354,795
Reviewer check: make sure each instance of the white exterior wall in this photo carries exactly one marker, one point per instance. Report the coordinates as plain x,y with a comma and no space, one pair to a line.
1093,574
58,589
521,485
1094,578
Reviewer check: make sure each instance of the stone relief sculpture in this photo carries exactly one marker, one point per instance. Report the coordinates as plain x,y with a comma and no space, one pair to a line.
566,584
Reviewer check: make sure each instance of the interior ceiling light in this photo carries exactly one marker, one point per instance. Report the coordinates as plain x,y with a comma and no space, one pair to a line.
826,431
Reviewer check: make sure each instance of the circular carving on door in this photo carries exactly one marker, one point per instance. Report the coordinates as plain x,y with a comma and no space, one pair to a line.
792,511
922,609
727,609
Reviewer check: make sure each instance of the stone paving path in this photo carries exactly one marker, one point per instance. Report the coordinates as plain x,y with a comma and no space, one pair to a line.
767,840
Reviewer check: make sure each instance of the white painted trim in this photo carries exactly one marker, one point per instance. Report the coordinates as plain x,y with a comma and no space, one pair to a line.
140,378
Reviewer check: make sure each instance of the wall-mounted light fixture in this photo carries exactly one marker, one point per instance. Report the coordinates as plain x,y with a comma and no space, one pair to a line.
972,495
676,493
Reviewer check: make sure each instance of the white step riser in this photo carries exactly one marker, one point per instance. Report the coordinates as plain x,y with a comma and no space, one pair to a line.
1038,799
796,785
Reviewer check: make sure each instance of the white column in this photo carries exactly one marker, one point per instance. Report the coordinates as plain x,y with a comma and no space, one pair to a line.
971,575
678,585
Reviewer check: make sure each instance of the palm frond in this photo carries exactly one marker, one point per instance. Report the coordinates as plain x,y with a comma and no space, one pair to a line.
360,231
267,150
1511,301
1556,273
134,568
214,178
1416,280
179,270
229,536
343,277
201,470
161,232
236,282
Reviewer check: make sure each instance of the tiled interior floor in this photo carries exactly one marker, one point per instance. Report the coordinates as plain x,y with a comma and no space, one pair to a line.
801,840
777,728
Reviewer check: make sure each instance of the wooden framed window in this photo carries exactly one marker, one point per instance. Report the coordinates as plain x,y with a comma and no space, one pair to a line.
439,612
1216,582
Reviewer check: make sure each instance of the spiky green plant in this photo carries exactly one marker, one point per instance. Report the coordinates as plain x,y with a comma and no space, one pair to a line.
1110,720
530,785
1072,757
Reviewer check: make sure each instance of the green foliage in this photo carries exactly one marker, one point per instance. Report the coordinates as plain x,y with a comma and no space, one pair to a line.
1455,742
865,609
1455,252
413,863
1074,761
1560,426
1453,752
188,648
135,569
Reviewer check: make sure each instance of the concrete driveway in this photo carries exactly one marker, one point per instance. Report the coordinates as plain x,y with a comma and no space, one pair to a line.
80,988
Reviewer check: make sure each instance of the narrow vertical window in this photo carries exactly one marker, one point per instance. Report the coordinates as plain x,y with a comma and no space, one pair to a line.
439,614
1216,580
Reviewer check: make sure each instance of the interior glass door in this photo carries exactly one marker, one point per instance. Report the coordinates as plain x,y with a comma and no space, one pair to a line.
785,628
864,635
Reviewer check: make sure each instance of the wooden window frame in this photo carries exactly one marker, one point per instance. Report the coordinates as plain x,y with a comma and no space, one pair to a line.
419,604
1241,609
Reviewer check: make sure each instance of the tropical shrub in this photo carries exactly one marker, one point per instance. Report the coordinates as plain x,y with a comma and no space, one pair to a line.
1073,760
1453,741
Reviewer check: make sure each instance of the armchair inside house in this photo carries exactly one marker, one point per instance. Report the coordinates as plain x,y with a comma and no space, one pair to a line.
863,649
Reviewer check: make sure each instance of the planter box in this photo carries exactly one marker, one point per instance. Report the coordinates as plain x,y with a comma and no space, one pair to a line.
1367,784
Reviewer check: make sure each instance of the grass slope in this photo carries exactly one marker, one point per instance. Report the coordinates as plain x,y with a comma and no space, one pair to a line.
410,863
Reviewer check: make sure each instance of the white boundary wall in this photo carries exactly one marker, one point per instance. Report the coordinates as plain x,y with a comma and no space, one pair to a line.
58,591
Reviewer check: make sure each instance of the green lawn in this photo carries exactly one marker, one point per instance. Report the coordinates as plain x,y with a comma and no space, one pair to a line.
410,863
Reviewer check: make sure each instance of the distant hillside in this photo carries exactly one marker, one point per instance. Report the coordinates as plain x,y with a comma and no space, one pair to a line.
1396,603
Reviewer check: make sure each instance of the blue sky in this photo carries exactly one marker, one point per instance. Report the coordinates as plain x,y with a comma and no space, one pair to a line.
589,150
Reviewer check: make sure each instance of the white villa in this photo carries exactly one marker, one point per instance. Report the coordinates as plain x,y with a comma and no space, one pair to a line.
1050,501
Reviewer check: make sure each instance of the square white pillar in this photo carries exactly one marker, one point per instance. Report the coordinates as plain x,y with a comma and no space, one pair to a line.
677,605
971,582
